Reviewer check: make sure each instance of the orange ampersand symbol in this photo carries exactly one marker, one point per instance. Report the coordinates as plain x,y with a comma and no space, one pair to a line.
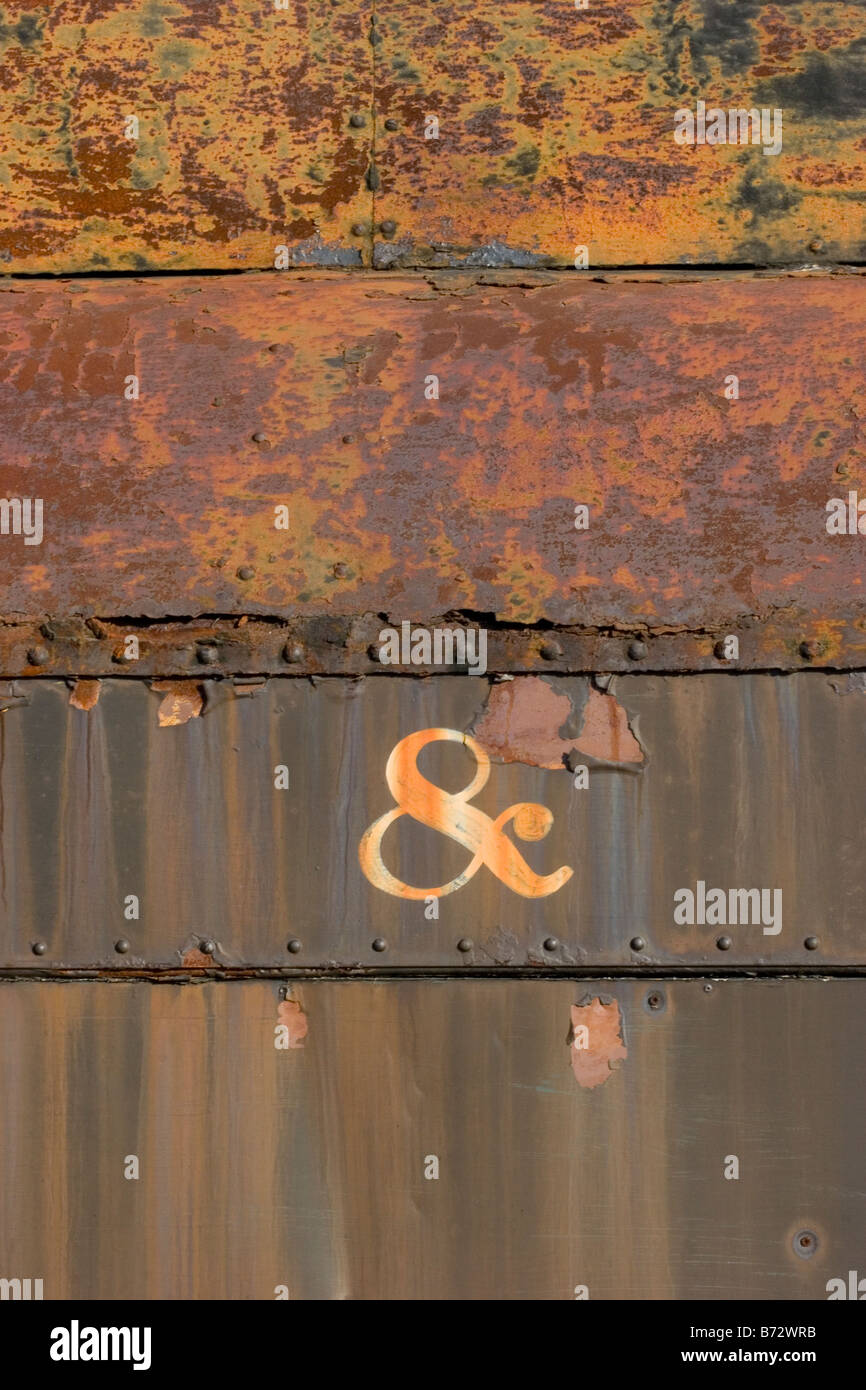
453,816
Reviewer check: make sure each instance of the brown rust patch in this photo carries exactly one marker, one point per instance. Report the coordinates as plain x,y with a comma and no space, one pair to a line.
595,1041
84,694
292,1017
183,701
522,719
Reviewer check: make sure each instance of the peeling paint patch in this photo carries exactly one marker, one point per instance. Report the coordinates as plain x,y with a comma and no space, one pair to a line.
84,695
595,1041
294,1020
852,684
183,701
194,958
10,696
522,719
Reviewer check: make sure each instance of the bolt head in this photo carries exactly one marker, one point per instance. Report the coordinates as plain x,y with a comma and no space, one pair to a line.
550,649
207,654
38,656
724,943
551,944
464,944
637,650
637,943
207,948
39,948
121,947
380,944
246,572
811,943
294,946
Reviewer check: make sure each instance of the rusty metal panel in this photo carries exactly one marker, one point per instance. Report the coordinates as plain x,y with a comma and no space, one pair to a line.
705,514
599,1167
241,827
244,139
554,130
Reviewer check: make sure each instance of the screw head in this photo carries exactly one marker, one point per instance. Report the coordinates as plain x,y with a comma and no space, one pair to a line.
805,1244
39,948
37,656
637,943
121,947
246,572
551,944
637,650
808,650
208,947
724,943
550,649
811,943
380,944
357,121
294,946
464,944
391,124
293,652
207,654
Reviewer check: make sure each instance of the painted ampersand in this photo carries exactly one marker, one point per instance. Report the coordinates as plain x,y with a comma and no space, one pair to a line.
452,814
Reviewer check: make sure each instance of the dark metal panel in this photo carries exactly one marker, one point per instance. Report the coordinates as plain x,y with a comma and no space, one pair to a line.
244,140
739,783
305,1166
555,129
706,515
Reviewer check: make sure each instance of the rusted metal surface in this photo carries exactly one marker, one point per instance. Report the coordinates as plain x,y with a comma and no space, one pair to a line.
556,131
457,823
706,515
268,1171
244,140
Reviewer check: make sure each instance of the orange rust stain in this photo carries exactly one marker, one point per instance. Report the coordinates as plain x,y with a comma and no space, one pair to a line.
522,718
595,1042
85,694
194,958
292,1016
183,701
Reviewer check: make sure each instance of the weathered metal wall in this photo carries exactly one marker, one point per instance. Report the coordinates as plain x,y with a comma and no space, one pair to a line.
601,1166
705,514
733,782
310,127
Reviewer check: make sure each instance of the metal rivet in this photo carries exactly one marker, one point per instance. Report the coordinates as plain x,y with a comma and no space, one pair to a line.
724,943
811,943
293,652
373,652
551,944
816,245
388,227
245,572
392,124
348,439
357,121
259,438
808,650
341,569
37,656
294,946
550,649
121,947
655,1000
380,944
358,229
207,948
39,948
464,944
637,651
637,943
805,1244
207,654
217,400
719,652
